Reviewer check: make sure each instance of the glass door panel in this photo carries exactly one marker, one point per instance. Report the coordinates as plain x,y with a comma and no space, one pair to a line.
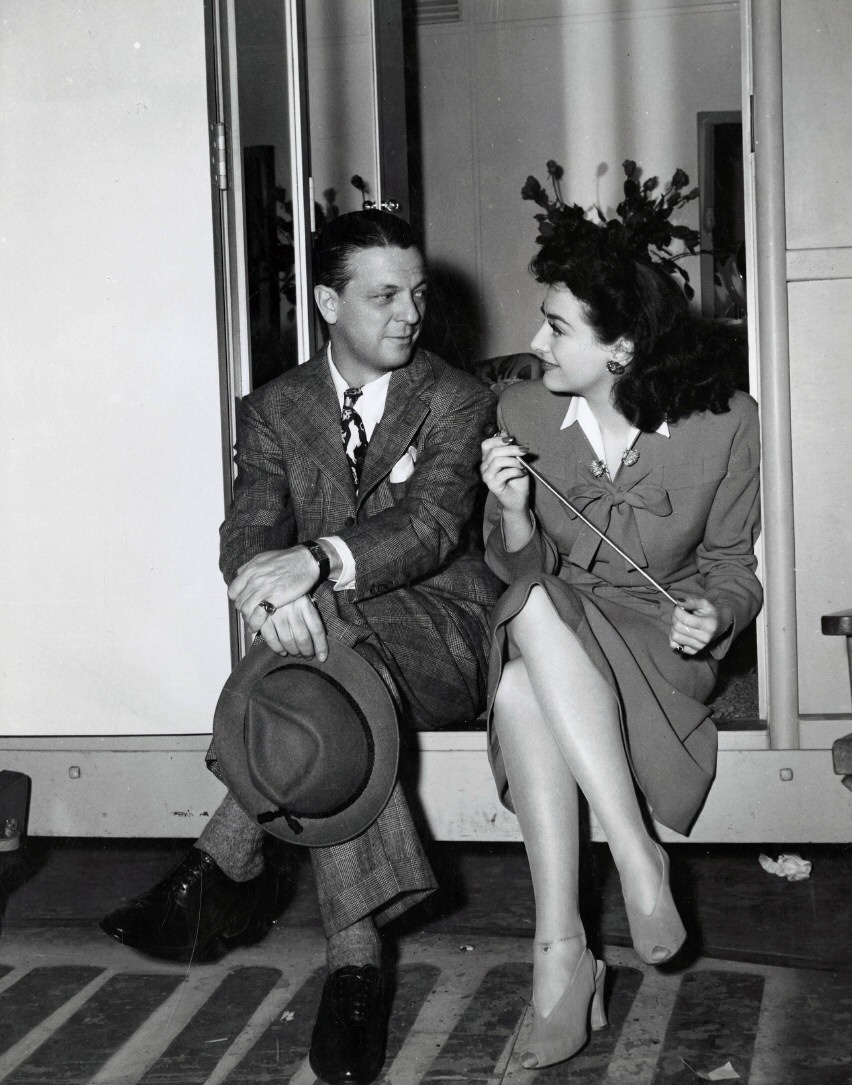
260,80
265,145
299,83
500,90
342,105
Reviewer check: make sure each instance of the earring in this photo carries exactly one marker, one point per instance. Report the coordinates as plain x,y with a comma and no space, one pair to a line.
621,356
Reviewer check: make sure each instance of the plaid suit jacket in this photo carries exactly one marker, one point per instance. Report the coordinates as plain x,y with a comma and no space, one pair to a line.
419,607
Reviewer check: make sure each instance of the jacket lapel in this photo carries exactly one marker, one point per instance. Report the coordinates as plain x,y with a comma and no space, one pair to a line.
406,406
316,424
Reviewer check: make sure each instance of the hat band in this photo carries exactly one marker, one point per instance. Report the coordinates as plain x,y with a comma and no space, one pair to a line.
292,816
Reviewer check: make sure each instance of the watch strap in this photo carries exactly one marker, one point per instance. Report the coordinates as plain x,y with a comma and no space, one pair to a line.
320,557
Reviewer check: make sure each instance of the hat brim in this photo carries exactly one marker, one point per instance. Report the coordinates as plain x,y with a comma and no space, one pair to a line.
345,666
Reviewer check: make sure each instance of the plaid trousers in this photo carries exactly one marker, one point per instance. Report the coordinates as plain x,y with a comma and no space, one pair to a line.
381,873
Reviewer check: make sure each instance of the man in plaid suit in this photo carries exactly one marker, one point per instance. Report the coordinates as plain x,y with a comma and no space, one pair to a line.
352,520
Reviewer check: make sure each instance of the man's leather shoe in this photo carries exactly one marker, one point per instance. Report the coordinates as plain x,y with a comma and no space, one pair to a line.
195,913
349,1037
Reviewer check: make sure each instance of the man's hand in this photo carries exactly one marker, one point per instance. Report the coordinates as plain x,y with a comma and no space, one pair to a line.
296,629
277,577
695,622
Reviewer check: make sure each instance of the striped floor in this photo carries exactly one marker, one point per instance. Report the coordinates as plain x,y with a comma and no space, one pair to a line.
77,1008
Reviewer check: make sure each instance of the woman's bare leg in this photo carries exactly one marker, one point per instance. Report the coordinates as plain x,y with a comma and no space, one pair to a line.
544,795
581,710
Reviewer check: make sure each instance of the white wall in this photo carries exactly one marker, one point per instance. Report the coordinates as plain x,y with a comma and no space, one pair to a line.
114,615
817,161
586,82
817,123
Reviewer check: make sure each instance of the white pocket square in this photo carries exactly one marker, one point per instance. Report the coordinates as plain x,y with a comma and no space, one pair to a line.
404,467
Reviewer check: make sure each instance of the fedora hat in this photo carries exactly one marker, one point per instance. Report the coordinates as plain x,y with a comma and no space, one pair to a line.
308,749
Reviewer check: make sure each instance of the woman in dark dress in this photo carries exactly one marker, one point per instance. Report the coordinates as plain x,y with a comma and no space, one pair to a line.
597,682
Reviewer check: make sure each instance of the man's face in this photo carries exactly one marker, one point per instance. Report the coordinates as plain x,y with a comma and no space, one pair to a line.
375,320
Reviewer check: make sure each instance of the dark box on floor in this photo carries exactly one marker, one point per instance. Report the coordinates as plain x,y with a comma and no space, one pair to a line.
14,804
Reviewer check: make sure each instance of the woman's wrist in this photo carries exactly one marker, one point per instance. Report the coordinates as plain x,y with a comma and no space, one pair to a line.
518,528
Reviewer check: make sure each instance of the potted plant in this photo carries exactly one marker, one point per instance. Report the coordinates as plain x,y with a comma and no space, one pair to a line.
643,218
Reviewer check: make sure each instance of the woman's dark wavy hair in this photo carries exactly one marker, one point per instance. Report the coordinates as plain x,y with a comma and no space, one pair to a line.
353,232
680,365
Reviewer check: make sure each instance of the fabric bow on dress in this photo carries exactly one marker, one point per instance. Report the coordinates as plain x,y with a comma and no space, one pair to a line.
611,510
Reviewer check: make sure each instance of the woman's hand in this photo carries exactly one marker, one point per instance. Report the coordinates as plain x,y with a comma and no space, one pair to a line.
296,629
503,475
695,622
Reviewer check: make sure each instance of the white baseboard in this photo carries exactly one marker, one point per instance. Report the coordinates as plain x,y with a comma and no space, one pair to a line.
157,786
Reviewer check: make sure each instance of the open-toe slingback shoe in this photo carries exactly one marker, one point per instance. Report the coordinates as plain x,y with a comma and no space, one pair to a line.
657,937
562,1033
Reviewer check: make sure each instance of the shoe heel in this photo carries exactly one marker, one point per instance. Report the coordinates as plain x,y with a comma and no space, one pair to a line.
246,932
598,1014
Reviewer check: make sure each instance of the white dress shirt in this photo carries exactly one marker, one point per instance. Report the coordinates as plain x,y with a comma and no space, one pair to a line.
370,406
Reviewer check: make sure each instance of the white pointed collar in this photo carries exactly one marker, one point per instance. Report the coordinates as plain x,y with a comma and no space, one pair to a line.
580,411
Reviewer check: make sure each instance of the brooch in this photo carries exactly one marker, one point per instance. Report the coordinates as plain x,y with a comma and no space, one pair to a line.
628,457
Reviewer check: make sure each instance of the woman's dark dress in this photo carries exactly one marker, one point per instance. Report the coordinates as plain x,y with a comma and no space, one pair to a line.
688,512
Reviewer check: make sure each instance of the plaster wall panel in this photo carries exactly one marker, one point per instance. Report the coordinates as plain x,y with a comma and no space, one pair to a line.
816,40
115,615
821,399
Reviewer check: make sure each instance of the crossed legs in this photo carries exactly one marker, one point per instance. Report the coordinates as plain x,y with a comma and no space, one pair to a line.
558,724
361,884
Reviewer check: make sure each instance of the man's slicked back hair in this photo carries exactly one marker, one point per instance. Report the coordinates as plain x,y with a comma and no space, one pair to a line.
351,233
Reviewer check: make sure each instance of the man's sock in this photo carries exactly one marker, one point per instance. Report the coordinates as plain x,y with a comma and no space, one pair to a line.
233,841
356,945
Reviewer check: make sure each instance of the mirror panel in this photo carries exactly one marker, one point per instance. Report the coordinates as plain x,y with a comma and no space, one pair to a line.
343,112
265,147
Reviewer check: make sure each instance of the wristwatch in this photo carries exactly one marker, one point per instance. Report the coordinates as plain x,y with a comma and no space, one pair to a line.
320,557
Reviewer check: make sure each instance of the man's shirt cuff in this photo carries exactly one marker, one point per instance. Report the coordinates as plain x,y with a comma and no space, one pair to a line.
347,560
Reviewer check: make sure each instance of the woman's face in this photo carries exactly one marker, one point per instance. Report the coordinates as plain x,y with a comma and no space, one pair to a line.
572,358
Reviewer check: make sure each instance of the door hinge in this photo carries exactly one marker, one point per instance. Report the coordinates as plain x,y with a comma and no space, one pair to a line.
219,157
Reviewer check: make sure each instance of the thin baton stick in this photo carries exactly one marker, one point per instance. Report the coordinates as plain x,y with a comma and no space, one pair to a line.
596,530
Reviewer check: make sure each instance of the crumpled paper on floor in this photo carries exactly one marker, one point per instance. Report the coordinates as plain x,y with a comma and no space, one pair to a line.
792,867
721,1073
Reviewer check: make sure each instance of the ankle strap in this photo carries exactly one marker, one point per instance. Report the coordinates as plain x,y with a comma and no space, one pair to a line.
545,946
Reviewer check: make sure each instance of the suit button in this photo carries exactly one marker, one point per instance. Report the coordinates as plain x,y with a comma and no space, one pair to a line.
350,520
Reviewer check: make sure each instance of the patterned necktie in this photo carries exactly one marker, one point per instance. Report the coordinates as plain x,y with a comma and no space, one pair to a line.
353,433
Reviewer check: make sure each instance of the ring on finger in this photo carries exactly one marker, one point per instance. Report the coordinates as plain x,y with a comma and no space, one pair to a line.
267,606
678,649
